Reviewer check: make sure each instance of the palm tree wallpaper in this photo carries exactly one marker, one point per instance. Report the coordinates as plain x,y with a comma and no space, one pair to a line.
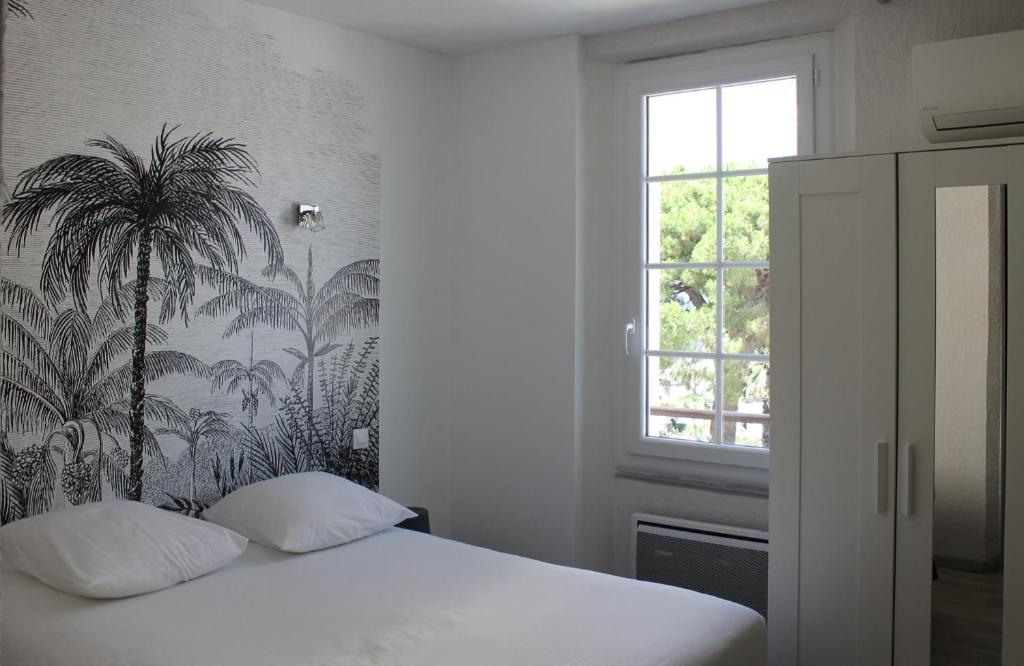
62,377
255,379
19,8
318,314
168,333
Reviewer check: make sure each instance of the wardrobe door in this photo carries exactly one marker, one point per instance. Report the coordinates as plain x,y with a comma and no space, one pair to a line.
1013,546
833,251
958,455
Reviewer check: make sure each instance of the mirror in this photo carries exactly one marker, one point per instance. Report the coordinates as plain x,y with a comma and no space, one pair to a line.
970,307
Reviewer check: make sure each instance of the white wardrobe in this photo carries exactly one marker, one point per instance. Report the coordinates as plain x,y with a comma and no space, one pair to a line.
897,462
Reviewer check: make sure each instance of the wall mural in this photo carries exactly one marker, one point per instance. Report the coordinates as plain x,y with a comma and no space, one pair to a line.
18,8
162,340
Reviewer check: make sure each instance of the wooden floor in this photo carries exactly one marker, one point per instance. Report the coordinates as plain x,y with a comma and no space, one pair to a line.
967,611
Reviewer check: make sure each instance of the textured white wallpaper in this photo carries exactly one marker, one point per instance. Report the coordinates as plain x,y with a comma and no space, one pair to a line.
83,70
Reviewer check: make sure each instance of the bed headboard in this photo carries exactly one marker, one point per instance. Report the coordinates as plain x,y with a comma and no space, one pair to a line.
169,332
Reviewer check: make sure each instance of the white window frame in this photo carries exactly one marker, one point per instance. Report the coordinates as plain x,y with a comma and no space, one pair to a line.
811,60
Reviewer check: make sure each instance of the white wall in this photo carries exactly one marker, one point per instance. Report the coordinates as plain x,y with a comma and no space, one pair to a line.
532,469
771,20
513,474
418,163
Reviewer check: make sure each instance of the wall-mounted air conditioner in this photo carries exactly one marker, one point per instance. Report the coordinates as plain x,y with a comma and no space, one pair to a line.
972,88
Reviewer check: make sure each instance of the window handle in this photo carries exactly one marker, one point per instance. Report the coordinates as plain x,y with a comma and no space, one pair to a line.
630,330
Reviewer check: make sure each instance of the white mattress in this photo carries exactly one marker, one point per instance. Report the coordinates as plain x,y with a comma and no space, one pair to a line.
396,598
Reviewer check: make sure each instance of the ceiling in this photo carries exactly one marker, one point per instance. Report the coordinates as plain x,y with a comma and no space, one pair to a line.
457,27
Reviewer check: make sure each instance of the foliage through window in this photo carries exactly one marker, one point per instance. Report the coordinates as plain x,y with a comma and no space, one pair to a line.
706,271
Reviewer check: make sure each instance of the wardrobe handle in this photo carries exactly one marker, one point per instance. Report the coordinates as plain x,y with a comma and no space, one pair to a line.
908,480
882,478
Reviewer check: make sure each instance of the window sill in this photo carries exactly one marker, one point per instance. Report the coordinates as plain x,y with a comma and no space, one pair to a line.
729,456
736,479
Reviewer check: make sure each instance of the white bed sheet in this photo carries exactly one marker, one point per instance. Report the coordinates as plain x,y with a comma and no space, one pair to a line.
396,598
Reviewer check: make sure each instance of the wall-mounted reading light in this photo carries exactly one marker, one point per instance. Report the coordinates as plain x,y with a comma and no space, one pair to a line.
311,218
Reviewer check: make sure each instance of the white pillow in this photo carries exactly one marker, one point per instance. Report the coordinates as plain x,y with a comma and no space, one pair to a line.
108,550
298,513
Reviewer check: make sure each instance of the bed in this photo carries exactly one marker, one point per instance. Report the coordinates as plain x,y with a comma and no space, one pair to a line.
395,598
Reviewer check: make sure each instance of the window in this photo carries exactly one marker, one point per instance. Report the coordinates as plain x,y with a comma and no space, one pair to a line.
706,273
697,133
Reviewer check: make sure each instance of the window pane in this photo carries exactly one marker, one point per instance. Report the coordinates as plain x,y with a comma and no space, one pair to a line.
746,403
759,120
745,217
681,398
682,133
682,221
686,226
681,312
745,320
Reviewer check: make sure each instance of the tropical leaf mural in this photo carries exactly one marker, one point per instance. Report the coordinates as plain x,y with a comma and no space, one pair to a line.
254,379
77,380
201,427
27,480
118,212
18,8
318,313
60,377
169,334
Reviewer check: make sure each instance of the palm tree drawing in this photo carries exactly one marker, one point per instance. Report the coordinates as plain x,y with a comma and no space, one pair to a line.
27,480
118,212
347,301
60,376
260,377
18,8
202,427
350,386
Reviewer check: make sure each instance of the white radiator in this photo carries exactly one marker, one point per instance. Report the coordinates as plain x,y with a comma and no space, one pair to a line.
726,562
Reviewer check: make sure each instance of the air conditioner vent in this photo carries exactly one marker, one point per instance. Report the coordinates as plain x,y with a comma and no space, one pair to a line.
980,119
968,89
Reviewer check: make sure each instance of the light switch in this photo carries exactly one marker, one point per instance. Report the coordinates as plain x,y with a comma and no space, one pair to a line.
360,439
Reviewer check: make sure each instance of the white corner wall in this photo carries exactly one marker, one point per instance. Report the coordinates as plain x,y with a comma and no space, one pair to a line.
513,449
417,162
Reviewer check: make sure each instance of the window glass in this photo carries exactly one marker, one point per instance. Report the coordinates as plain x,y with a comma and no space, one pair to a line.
707,273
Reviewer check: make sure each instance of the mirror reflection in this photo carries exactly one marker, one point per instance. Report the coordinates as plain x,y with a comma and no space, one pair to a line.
967,579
